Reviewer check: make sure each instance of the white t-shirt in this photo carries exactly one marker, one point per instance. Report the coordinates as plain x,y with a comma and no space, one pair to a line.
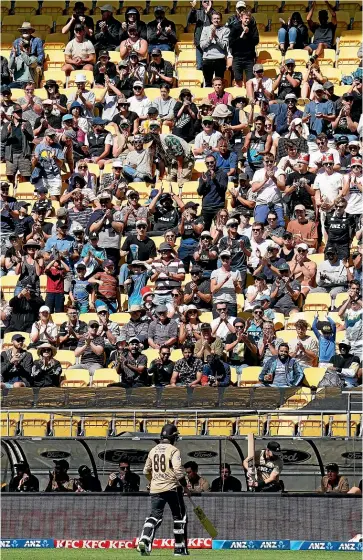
270,191
316,157
328,185
139,106
310,343
355,197
228,292
262,247
83,50
89,97
210,139
266,82
109,107
251,291
222,330
284,165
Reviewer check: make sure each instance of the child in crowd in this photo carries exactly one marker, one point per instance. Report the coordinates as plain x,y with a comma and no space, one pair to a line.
81,290
326,339
140,273
42,202
56,271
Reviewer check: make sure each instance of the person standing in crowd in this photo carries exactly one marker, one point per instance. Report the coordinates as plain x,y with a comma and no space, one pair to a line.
201,18
212,187
226,482
214,45
161,32
17,137
107,31
243,39
79,18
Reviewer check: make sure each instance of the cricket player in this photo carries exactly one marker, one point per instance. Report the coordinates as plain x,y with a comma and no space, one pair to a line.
268,464
164,470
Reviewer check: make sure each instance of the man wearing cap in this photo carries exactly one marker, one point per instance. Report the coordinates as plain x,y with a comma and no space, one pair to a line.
346,364
23,481
16,137
160,71
90,349
79,18
22,64
47,162
63,243
303,269
303,229
47,120
269,184
285,291
161,32
138,247
108,330
36,47
285,112
299,187
243,39
98,143
139,102
198,291
107,30
162,331
132,17
86,482
174,154
240,248
344,122
206,141
107,291
259,87
25,310
328,186
106,221
16,364
352,190
269,465
39,226
166,215
323,31
104,69
214,42
85,97
137,326
288,81
7,103
138,163
71,331
333,481
212,188
131,365
79,53
319,112
269,263
59,480
332,274
206,255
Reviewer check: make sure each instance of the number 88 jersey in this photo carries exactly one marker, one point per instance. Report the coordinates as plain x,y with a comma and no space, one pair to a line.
165,467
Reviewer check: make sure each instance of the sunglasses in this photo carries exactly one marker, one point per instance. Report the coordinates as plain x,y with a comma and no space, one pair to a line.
356,167
194,274
141,227
259,72
320,143
328,164
137,88
72,313
165,354
46,351
134,198
175,295
222,309
258,229
165,251
269,161
301,251
83,167
271,219
209,162
102,312
192,312
93,326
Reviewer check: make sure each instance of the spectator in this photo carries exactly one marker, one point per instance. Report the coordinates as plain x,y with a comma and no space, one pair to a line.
206,141
326,339
16,364
160,71
138,163
269,465
340,228
241,348
255,292
107,222
269,343
288,83
25,310
174,154
219,96
205,257
331,276
123,481
98,143
344,123
79,18
346,365
226,159
59,480
259,244
302,229
137,247
214,45
299,187
243,39
44,330
55,271
47,162
63,243
282,370
216,373
188,370
333,481
23,65
115,182
161,32
259,87
131,365
226,482
304,348
293,34
5,74
71,331
59,99
168,274
17,137
139,103
109,330
161,369
269,263
86,98
139,275
107,30
328,186
30,267
285,113
225,284
212,187
351,309
79,53
133,44
268,183
208,344
319,112
23,481
132,17
303,269
190,229
9,214
185,116
104,68
107,292
136,327
31,105
46,372
86,482
317,158
7,103
324,31
201,18
239,247
352,190
165,105
132,213
81,290
189,325
222,324
257,144
48,120
195,482
36,48
162,330
90,350
285,292
197,291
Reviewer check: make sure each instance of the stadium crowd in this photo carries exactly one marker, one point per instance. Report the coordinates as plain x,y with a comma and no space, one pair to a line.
214,270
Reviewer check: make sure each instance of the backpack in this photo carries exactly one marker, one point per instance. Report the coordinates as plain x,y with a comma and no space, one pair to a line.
331,379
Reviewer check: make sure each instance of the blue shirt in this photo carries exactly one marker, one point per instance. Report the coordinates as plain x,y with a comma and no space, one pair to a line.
326,344
228,163
316,126
66,245
36,48
47,155
99,253
280,110
81,290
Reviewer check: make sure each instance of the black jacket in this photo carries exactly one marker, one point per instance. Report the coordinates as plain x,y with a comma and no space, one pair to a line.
25,313
131,483
31,485
164,38
141,27
108,39
23,370
243,48
46,376
232,484
99,77
201,19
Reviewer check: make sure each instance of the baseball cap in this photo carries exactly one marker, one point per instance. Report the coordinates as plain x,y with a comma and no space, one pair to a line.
206,234
78,228
107,8
165,247
240,4
326,328
273,245
328,158
104,194
283,266
260,277
141,223
108,262
156,51
274,446
93,323
205,327
290,96
318,87
41,190
61,463
101,308
67,118
47,102
343,140
93,235
257,67
80,265
333,467
347,95
161,309
123,64
50,132
344,342
138,84
103,53
290,61
17,337
196,269
303,158
354,143
83,470
117,163
303,246
44,308
300,207
133,339
159,9
191,205
98,121
207,119
243,177
225,253
328,85
232,222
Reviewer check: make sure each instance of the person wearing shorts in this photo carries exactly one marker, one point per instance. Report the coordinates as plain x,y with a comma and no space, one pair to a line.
47,161
16,138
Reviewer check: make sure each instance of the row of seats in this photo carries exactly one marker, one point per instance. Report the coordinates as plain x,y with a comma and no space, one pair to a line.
58,425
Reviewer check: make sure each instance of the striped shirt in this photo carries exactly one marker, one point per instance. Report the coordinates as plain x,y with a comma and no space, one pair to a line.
108,288
163,283
80,217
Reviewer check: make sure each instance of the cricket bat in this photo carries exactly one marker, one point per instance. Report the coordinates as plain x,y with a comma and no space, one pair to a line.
251,472
207,524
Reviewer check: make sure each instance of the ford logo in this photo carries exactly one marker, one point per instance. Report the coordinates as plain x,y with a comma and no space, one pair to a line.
355,455
55,454
118,455
292,456
202,454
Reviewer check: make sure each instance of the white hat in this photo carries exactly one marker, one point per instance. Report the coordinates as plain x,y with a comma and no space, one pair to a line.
138,83
273,245
240,4
80,78
117,163
44,308
303,246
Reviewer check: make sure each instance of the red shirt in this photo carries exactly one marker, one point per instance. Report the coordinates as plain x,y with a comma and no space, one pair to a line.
55,280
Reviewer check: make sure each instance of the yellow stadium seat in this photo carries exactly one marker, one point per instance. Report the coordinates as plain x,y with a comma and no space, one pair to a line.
317,302
311,427
350,38
282,426
120,318
169,56
347,69
307,316
155,425
7,40
7,284
268,39
348,55
261,22
25,191
250,425
176,355
279,321
59,318
287,335
34,424
42,24
220,426
328,57
269,57
294,7
317,258
121,425
55,42
189,77
75,377
66,358
339,428
54,59
186,58
8,336
250,375
28,8
152,93
186,42
340,299
189,426
314,375
42,93
95,426
64,426
9,423
295,402
87,73
267,6
334,75
56,75
343,18
104,376
87,317
206,317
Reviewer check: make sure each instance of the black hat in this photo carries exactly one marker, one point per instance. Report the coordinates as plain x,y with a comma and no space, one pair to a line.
62,463
17,337
196,269
62,225
169,431
84,470
260,277
22,465
274,446
191,204
205,327
343,140
333,467
93,235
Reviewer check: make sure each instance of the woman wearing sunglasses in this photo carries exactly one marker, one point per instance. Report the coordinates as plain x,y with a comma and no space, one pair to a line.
352,190
189,328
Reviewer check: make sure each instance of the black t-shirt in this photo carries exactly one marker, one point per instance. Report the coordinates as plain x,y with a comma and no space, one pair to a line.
88,22
339,229
239,259
54,121
71,343
189,233
231,484
325,33
344,362
165,68
165,220
24,226
7,223
287,256
130,117
285,87
46,227
356,107
205,262
146,248
160,374
17,139
300,195
240,354
203,288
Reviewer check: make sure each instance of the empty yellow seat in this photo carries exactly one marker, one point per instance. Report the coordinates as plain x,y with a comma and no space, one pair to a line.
75,378
350,38
96,426
189,426
121,425
7,284
339,428
250,375
8,423
348,55
64,426
54,58
317,258
34,424
317,302
334,75
56,75
250,425
66,358
120,318
281,427
104,376
314,375
59,318
313,427
340,299
220,426
190,76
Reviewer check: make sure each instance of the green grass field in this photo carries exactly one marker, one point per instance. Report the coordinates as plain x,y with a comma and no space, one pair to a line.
82,554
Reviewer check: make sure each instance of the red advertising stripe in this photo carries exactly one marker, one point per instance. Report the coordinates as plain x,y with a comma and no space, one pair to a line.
129,543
